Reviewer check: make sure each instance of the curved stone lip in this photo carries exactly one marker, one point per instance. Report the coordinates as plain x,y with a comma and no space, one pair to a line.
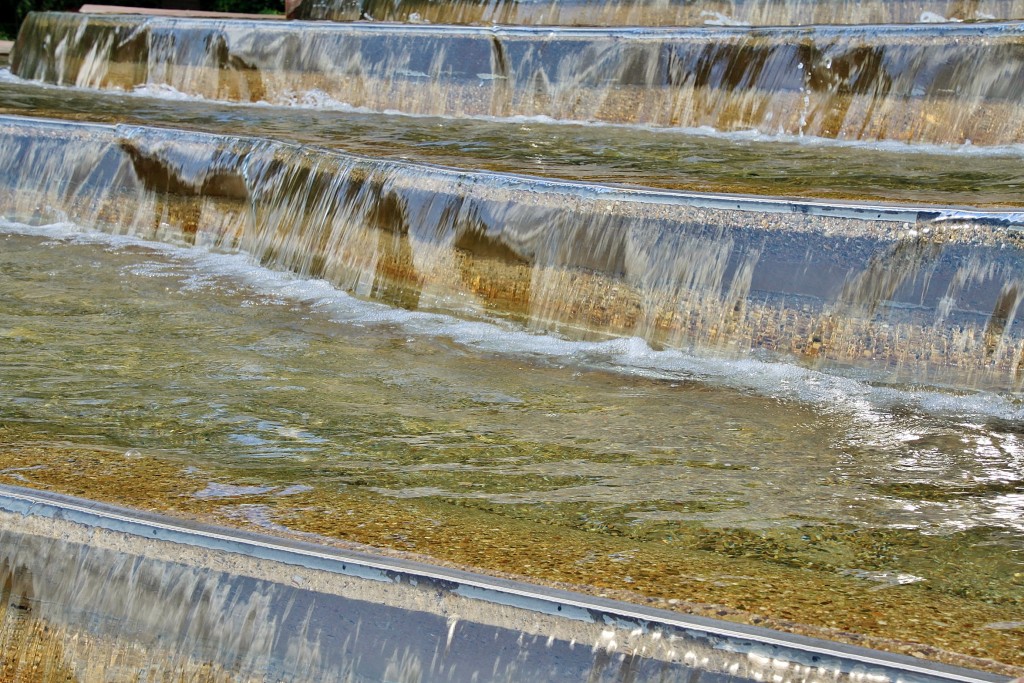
912,215
738,638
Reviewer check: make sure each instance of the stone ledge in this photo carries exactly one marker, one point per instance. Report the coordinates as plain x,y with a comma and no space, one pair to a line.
198,14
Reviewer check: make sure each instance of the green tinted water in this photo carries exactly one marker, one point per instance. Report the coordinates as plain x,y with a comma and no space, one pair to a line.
284,402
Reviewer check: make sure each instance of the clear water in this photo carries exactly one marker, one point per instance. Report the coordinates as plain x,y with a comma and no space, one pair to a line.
261,393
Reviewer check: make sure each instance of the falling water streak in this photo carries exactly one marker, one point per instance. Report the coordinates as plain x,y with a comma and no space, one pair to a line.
946,85
180,618
683,159
109,610
578,259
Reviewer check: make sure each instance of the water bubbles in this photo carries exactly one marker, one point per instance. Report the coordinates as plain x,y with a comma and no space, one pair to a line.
132,454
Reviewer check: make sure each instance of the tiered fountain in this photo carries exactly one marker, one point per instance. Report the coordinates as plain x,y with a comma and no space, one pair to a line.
709,307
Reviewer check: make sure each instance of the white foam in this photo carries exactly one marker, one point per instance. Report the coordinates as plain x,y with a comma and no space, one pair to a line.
854,396
163,91
719,19
933,18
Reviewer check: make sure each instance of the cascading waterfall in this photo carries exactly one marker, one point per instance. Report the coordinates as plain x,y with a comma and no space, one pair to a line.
749,348
182,618
90,604
948,84
71,593
659,12
673,269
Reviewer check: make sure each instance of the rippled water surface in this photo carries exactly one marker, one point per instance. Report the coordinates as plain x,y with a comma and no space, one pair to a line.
281,386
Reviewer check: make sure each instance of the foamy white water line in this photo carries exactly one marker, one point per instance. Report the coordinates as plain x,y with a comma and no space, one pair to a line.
861,393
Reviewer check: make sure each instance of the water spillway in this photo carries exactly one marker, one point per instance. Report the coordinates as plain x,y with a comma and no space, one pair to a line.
702,161
673,269
946,84
197,384
658,12
723,320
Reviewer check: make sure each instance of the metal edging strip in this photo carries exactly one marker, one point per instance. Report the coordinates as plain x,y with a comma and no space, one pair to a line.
363,565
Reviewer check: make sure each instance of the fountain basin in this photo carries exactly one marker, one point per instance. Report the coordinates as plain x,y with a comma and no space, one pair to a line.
921,295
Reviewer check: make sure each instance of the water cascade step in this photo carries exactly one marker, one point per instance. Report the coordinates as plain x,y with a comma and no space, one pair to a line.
918,288
151,595
661,12
975,177
947,84
835,205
